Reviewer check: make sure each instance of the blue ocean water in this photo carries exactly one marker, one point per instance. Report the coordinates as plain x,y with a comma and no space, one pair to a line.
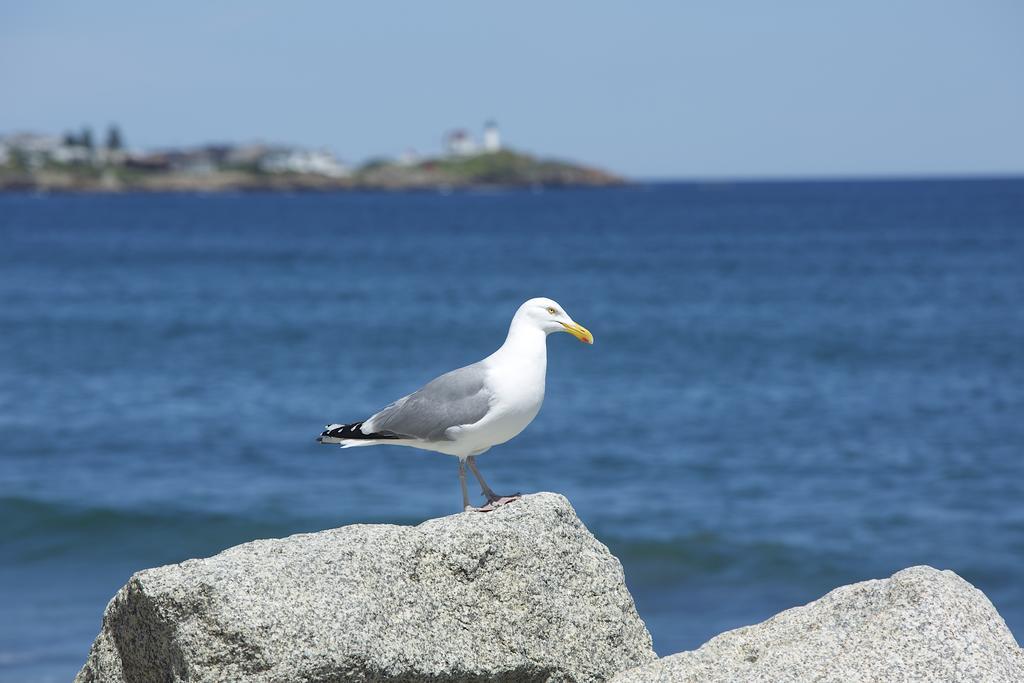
793,386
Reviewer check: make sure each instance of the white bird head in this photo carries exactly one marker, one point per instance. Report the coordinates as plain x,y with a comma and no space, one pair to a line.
547,315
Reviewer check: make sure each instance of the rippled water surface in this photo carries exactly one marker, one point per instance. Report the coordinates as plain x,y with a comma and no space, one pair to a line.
794,386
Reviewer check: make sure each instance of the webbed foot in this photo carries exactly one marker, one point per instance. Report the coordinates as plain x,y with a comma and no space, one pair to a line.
494,502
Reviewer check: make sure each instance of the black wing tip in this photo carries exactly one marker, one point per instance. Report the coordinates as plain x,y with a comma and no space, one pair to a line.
349,431
355,431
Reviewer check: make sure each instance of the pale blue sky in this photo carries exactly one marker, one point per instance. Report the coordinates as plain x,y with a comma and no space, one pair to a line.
655,89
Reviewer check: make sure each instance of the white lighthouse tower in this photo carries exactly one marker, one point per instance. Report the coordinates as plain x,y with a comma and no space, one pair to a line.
492,138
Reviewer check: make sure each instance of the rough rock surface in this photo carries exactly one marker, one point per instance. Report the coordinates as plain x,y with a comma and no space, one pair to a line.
921,624
524,593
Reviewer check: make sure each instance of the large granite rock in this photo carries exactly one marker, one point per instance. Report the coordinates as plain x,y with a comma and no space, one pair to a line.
921,624
524,593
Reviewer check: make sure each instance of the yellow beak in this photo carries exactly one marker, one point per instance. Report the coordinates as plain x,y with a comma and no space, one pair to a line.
580,332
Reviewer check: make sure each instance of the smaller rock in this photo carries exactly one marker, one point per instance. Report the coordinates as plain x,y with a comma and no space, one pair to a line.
921,624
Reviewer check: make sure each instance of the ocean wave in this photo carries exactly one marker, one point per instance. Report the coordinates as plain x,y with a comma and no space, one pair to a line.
38,530
669,561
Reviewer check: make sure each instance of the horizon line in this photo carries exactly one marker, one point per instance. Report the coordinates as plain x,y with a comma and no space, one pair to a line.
869,176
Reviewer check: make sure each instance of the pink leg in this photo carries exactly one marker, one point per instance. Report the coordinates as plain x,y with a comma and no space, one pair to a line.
462,483
494,500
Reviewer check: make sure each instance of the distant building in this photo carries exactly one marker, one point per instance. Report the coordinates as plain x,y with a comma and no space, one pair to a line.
70,154
157,161
200,162
113,157
492,138
33,143
33,148
36,150
316,162
459,143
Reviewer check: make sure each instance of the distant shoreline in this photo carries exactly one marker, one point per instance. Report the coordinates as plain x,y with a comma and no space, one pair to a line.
501,169
311,191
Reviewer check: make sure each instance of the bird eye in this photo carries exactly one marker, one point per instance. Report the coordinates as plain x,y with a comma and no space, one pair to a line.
551,310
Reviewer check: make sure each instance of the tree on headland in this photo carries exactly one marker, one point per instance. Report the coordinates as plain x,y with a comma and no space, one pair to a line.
85,139
114,140
70,139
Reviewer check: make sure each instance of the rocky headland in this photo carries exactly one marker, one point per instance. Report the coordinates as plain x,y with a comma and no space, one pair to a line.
524,593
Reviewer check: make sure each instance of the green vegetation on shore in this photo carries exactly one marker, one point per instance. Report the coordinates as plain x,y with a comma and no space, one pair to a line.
503,168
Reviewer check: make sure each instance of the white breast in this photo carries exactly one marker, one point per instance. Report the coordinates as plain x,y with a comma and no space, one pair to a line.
515,378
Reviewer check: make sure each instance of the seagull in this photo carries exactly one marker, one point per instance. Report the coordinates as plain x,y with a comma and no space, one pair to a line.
466,411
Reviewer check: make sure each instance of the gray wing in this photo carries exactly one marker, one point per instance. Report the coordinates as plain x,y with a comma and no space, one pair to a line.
459,397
